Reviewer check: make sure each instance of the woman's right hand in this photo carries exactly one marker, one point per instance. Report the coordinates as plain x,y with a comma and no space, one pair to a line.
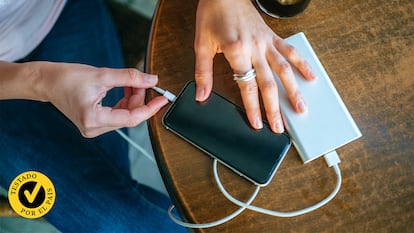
77,91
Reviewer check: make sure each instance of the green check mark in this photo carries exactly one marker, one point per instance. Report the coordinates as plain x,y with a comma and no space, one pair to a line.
31,196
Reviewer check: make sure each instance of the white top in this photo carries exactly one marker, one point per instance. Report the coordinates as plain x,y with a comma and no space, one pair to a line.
24,24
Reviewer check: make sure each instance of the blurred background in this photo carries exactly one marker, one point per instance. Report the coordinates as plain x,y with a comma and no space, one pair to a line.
133,21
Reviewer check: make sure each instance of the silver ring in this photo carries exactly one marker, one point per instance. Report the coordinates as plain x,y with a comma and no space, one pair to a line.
245,77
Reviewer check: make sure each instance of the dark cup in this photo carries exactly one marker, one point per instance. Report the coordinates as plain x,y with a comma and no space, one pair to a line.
282,8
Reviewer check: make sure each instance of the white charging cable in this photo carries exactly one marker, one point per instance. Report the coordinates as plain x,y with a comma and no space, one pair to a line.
171,97
136,146
214,223
331,158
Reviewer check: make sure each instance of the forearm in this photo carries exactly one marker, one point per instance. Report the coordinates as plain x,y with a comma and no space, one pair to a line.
20,81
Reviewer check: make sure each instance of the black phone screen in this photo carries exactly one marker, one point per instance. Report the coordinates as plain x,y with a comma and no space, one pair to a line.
221,129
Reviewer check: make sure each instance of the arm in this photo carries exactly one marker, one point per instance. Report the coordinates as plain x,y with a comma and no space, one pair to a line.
236,29
77,90
19,81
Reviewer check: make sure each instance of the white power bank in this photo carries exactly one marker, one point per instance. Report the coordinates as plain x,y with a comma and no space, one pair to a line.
327,124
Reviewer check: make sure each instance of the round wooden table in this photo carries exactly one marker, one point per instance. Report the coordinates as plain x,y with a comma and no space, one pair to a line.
367,48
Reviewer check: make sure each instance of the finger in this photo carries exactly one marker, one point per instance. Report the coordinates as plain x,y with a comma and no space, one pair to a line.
91,133
127,91
118,118
132,101
248,89
269,92
203,73
250,96
148,110
123,103
292,54
283,69
137,99
128,77
133,98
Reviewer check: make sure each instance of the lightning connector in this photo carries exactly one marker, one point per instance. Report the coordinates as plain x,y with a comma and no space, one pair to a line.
170,96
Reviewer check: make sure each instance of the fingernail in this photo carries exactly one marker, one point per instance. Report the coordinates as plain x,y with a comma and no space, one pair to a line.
199,94
150,77
279,126
258,123
301,106
312,75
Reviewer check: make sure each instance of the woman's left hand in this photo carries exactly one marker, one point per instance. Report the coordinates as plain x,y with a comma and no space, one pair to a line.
236,29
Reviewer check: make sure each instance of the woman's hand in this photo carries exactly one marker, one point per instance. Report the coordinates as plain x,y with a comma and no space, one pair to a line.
236,29
77,91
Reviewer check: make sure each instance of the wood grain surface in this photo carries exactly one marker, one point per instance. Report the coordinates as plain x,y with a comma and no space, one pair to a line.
367,48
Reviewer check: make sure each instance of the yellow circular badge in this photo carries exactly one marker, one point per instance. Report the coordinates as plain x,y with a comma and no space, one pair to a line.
31,194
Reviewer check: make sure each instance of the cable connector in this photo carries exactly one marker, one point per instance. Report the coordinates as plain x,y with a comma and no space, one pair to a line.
170,96
332,158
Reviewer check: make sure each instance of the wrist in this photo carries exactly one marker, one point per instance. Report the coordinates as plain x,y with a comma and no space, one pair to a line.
21,81
36,79
31,77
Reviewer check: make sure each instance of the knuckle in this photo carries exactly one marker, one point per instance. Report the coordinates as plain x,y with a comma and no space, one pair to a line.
236,43
102,73
132,122
284,67
291,51
302,64
237,47
87,122
268,84
132,73
200,48
250,88
87,134
85,128
202,76
278,41
273,115
199,42
294,95
259,43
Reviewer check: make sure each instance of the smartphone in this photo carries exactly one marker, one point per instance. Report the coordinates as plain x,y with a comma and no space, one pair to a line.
221,129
